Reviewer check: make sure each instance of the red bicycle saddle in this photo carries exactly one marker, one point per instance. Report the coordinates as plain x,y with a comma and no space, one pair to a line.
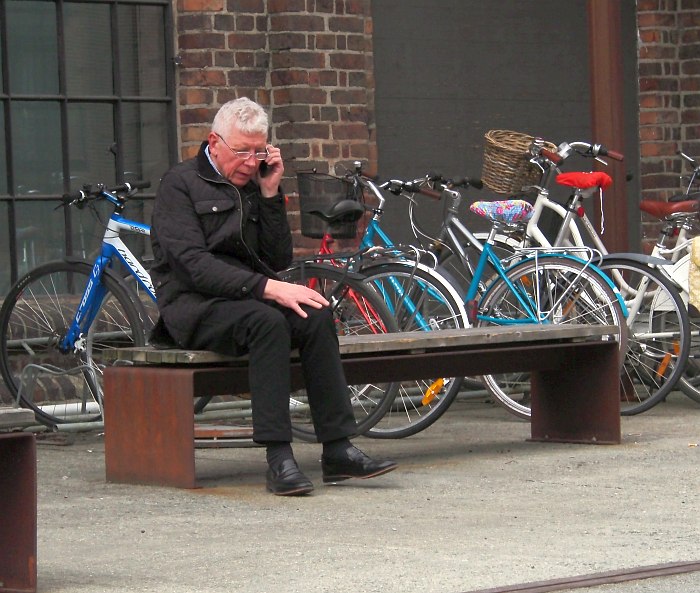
664,209
583,180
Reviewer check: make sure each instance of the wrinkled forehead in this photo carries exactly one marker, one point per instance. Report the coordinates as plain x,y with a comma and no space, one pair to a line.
237,139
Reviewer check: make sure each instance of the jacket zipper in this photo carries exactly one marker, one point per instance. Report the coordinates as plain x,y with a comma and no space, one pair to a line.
253,256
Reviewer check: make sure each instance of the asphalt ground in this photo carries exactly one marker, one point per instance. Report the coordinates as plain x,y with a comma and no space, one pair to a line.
473,506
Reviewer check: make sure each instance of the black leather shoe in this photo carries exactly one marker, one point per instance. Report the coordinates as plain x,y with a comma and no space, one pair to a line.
354,464
285,479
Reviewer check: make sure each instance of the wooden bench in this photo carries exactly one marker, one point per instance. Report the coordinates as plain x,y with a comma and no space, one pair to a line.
19,504
149,428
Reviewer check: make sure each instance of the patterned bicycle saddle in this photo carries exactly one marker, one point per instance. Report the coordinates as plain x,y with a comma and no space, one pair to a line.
508,211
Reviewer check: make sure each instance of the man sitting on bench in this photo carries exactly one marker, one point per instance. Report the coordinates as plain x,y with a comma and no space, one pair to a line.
219,234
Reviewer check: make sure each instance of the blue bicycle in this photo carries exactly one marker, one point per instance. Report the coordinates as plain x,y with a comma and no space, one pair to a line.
58,320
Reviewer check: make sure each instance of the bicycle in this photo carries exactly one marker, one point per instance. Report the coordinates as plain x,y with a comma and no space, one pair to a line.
416,295
532,286
583,273
659,328
59,320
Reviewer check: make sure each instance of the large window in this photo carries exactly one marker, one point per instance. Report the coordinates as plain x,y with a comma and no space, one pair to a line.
86,96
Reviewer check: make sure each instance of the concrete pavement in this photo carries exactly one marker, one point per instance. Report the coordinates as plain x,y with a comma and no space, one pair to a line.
473,506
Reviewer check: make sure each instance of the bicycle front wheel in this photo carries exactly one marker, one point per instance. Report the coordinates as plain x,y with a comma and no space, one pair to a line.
423,300
357,310
62,386
558,290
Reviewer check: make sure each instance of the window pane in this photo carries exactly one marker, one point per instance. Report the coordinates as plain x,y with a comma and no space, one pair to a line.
32,47
3,152
36,129
90,136
4,250
88,229
142,51
145,141
40,233
88,49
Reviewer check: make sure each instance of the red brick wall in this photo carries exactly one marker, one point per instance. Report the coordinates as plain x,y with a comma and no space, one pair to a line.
308,61
669,95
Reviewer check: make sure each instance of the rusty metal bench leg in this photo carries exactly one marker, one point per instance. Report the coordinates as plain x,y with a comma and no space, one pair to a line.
18,523
580,403
149,426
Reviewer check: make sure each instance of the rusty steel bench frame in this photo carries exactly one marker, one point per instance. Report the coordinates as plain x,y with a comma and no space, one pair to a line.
575,393
18,493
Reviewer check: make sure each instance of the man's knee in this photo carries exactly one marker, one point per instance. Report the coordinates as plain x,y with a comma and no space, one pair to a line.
318,318
268,321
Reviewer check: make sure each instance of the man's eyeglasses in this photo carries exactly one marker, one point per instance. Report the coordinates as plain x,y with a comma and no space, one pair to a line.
260,155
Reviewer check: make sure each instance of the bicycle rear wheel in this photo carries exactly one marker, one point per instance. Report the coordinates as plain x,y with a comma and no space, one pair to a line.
62,387
561,290
357,310
659,334
420,299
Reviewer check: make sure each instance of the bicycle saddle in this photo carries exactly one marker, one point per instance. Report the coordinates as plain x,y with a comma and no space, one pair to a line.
583,180
343,211
664,209
508,211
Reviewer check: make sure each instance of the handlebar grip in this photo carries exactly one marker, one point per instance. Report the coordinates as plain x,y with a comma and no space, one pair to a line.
613,154
130,185
76,195
431,193
551,156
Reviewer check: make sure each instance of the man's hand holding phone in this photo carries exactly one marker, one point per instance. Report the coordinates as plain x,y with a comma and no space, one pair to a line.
270,172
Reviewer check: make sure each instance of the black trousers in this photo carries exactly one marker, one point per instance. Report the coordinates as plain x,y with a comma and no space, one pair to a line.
267,333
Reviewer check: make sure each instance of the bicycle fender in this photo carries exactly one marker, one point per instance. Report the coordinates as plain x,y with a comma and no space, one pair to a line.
603,275
640,258
303,264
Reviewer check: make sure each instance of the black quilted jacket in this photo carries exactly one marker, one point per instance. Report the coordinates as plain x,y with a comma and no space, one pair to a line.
212,240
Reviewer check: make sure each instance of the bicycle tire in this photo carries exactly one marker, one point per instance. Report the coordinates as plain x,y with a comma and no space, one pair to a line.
34,317
595,303
659,336
417,404
689,383
357,310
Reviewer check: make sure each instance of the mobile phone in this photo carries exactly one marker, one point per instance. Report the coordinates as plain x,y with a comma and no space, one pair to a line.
262,170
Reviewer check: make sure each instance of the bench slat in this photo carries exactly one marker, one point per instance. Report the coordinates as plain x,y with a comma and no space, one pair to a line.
15,418
414,341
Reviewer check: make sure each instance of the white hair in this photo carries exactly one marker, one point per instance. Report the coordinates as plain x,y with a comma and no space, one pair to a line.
245,115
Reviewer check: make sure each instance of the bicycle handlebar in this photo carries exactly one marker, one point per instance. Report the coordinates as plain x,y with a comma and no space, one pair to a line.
693,163
566,149
418,186
89,192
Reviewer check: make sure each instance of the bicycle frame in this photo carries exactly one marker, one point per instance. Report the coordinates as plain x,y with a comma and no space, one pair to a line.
112,247
569,233
450,232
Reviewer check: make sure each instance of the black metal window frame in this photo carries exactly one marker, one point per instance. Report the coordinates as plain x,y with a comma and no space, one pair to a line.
7,97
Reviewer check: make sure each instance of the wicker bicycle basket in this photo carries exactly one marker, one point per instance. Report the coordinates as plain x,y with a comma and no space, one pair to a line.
318,191
506,168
